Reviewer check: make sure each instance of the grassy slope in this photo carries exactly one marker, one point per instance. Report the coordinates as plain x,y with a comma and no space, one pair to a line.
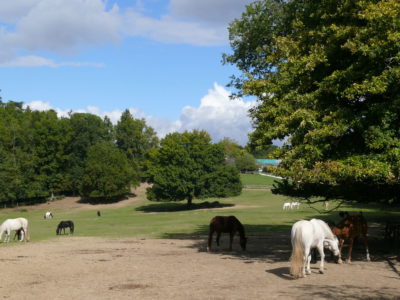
258,209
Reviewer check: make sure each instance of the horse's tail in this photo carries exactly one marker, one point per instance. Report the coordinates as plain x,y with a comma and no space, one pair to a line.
27,234
297,257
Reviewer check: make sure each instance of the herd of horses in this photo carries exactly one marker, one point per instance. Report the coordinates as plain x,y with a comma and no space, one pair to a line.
305,236
20,226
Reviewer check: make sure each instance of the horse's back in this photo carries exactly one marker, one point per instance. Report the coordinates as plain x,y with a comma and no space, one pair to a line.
225,223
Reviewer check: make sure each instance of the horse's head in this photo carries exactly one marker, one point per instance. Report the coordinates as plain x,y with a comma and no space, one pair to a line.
332,245
243,242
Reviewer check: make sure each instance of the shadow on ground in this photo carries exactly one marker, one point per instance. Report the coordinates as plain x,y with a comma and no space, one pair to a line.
312,291
109,200
173,206
271,243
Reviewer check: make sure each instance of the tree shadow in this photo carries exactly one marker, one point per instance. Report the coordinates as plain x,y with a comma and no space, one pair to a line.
173,206
105,200
346,291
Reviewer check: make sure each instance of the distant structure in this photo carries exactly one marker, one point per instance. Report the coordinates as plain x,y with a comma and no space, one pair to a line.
265,162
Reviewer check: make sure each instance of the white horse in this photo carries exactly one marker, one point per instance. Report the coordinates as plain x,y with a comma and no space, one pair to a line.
286,206
294,205
306,235
14,224
48,215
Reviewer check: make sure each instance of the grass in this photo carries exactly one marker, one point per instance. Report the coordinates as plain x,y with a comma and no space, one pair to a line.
258,209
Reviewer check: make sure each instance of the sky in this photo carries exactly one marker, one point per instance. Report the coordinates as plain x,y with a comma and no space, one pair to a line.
161,59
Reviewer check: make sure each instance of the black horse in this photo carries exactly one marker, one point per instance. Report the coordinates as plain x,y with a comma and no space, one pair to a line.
65,224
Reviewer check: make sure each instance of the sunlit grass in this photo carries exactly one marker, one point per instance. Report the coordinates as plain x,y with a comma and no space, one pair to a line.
258,209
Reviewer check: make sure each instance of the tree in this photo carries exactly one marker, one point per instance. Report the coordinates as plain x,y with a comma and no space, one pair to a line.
245,162
107,173
187,166
85,130
135,139
327,76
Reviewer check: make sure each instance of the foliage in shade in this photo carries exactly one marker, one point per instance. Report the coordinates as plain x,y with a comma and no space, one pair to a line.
187,166
107,173
327,76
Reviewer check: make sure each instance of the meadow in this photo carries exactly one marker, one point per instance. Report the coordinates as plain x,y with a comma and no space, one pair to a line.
257,208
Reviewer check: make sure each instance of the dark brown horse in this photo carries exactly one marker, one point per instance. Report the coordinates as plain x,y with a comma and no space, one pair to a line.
350,228
229,225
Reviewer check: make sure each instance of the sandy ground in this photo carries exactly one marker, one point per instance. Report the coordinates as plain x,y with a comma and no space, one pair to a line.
96,268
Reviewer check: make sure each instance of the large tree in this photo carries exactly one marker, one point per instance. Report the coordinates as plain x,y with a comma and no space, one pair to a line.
327,75
187,166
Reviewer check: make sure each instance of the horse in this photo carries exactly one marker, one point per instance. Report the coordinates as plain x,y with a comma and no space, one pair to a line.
349,228
286,206
306,235
48,215
295,205
65,224
226,224
14,224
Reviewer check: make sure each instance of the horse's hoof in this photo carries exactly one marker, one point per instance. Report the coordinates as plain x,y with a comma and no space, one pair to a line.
340,261
321,271
308,273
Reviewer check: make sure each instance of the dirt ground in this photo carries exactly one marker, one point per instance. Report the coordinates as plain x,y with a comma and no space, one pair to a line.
100,268
97,268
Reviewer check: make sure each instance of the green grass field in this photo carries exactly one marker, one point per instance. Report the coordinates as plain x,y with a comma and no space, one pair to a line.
257,208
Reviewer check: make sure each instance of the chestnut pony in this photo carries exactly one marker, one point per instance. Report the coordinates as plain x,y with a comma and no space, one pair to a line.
350,228
227,224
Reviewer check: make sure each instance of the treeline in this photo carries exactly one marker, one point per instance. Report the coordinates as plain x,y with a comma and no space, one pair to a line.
43,155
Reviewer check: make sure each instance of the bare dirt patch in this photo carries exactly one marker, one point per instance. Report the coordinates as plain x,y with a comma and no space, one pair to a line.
98,268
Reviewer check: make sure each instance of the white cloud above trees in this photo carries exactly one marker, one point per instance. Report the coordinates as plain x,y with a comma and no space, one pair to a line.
217,114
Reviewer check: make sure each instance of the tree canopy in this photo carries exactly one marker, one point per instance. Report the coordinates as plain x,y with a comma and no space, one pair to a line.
42,154
187,166
327,75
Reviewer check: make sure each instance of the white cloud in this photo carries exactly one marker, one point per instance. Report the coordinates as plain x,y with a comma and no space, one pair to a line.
65,27
219,12
217,114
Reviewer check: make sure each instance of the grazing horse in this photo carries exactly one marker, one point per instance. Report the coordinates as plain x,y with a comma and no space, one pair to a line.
349,228
306,235
228,225
65,224
286,206
14,224
48,215
295,205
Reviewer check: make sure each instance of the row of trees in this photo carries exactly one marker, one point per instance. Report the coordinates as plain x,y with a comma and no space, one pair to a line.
41,154
82,154
327,75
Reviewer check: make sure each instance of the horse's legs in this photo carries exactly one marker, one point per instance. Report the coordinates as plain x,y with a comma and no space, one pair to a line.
366,247
322,255
210,234
231,235
8,233
341,242
351,242
218,236
307,259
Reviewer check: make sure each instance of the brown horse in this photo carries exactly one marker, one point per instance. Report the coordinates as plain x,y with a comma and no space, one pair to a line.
350,228
229,225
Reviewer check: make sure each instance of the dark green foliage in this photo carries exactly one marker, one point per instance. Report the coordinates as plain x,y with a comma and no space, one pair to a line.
327,75
108,173
42,155
188,166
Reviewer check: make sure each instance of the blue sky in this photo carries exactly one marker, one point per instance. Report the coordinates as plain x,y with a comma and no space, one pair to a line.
159,58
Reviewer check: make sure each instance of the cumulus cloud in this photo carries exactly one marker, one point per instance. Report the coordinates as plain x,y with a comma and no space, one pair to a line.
65,27
217,114
219,12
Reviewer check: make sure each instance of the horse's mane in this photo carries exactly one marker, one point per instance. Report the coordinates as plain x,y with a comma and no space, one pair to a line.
327,231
